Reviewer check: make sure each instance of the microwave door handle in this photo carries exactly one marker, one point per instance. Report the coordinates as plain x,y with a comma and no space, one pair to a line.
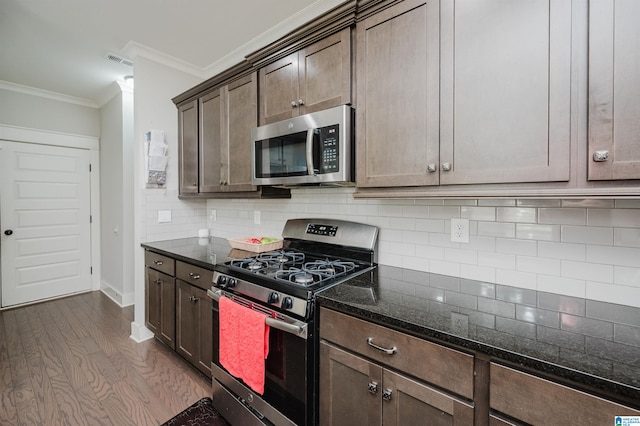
310,170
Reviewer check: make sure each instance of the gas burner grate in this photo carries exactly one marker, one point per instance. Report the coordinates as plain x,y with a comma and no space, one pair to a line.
315,272
272,260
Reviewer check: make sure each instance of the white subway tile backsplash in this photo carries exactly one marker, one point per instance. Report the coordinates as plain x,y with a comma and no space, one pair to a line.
623,275
444,268
559,285
431,225
517,247
620,218
496,229
497,260
567,251
538,265
515,278
625,237
587,235
572,247
443,212
486,214
562,216
620,256
526,231
587,271
516,214
621,295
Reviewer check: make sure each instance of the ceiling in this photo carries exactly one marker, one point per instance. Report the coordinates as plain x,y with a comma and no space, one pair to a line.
60,46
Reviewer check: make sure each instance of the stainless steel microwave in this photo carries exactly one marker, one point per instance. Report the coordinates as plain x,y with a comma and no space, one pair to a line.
315,148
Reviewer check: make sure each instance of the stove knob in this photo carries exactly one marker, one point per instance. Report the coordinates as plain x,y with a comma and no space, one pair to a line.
274,297
222,280
287,303
231,282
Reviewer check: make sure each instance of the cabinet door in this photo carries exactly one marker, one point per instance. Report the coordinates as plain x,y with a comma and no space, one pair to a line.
324,73
188,147
160,306
211,134
398,94
505,91
349,388
408,402
614,89
279,90
241,116
193,316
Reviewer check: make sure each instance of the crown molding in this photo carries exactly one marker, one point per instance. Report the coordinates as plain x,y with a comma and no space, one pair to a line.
33,91
134,50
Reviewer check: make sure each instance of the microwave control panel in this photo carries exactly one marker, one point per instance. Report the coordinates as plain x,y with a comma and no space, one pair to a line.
330,154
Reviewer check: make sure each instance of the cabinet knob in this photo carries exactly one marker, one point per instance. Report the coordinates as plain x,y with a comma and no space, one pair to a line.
158,282
193,299
372,387
431,168
158,262
300,102
386,394
446,167
294,104
223,182
194,184
600,156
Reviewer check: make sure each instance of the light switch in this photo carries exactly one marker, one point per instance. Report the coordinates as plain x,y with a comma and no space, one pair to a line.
164,216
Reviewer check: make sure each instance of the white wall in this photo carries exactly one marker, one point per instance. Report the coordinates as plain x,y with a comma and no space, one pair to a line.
116,197
582,248
43,113
155,86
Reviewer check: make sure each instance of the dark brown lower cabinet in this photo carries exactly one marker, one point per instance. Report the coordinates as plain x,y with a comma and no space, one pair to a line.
161,306
527,399
194,324
355,391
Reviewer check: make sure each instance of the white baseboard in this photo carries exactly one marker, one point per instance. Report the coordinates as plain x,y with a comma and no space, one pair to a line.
140,333
121,299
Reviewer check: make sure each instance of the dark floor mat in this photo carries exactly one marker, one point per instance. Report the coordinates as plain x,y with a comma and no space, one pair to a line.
201,413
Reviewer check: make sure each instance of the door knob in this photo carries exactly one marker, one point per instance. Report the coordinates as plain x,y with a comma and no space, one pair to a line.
8,232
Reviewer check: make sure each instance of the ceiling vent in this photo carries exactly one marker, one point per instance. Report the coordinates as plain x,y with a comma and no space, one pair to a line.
119,59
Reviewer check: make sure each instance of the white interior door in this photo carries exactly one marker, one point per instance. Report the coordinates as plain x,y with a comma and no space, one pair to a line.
44,222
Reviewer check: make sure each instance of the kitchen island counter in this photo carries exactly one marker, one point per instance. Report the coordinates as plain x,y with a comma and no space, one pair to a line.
590,345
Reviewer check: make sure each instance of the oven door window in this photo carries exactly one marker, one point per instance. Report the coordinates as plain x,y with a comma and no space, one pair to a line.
281,156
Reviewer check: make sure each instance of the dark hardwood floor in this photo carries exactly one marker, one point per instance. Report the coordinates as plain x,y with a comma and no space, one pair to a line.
71,362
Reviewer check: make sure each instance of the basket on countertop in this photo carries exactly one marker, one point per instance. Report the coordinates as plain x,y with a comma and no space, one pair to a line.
243,243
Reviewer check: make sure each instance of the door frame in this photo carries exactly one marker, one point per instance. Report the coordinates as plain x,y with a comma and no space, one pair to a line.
45,137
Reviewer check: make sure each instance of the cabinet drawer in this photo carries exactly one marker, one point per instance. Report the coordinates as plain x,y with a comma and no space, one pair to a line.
195,275
160,263
535,401
444,367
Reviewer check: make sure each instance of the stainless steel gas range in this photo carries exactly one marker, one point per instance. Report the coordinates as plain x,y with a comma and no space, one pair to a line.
316,254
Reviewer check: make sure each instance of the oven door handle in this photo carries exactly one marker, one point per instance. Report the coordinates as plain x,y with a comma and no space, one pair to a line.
298,330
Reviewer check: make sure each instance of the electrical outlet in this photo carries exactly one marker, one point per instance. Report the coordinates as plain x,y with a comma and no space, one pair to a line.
256,217
460,230
213,215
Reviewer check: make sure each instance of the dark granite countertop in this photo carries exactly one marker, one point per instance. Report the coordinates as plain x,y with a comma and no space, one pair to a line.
203,252
591,345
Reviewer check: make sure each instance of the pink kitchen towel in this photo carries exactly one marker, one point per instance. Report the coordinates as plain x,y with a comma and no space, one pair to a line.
244,343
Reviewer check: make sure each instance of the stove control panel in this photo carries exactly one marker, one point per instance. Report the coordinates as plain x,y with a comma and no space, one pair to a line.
326,230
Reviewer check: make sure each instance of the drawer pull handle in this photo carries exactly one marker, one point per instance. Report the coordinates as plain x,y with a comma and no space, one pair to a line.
194,276
373,387
193,299
386,394
158,262
391,351
158,281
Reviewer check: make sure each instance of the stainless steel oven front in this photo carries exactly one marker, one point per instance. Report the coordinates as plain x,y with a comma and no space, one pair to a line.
290,372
